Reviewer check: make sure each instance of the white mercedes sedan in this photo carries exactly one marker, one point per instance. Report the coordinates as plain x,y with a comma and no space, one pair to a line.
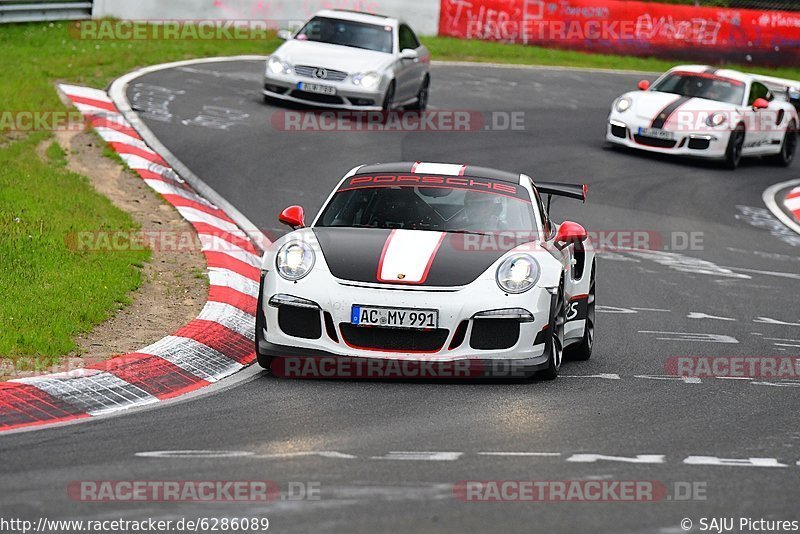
349,60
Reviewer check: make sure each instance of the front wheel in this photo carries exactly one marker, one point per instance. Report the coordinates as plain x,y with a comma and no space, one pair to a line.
788,148
388,99
733,154
264,360
556,338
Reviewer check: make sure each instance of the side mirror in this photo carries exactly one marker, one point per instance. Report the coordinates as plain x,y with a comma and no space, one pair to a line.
409,53
570,233
293,216
760,103
643,85
284,35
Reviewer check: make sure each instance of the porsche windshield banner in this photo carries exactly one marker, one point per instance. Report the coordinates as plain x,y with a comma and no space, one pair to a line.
483,185
630,28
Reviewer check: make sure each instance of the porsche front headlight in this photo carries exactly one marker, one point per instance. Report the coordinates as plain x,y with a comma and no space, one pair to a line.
716,119
623,104
517,273
295,260
368,80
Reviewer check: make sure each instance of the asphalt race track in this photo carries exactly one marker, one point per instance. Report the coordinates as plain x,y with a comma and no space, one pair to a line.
735,294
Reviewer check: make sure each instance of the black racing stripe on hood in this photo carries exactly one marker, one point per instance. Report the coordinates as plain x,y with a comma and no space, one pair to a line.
352,253
462,258
665,113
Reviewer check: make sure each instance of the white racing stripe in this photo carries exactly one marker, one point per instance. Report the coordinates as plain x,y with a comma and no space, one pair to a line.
447,169
408,255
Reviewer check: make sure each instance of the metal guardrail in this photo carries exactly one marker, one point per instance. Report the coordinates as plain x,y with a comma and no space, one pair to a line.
44,10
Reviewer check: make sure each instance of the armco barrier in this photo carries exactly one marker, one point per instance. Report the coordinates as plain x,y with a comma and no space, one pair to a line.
631,28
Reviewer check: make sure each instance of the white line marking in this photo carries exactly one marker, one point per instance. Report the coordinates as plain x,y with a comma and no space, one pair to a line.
193,454
700,315
684,379
691,336
441,456
520,453
651,309
768,320
608,376
324,454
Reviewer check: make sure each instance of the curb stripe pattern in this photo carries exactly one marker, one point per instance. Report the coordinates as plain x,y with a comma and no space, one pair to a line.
792,203
216,344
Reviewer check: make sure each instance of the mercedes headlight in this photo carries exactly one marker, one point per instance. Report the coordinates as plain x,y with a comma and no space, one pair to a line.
295,260
276,65
368,81
518,273
715,119
623,104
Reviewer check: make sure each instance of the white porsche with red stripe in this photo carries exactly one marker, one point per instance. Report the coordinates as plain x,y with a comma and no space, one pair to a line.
701,111
430,262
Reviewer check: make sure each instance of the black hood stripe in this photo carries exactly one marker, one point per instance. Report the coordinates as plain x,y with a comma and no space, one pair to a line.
355,254
664,115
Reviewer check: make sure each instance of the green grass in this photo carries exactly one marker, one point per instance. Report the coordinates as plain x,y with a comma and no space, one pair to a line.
49,292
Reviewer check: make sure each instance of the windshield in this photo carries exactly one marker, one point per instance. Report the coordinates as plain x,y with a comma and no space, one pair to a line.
454,204
347,33
702,85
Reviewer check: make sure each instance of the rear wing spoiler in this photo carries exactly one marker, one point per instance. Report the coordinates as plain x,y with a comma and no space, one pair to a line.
576,191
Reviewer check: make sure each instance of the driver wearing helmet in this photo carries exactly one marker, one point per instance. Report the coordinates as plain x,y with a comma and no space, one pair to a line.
482,211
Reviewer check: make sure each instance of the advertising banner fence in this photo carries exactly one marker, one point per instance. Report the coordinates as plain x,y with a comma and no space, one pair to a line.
687,32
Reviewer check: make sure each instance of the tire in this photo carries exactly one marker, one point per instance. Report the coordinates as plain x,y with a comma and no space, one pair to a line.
556,338
388,99
788,147
733,154
583,350
264,360
422,96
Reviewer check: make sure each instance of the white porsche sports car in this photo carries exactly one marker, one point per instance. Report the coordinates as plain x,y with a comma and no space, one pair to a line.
701,111
431,262
349,60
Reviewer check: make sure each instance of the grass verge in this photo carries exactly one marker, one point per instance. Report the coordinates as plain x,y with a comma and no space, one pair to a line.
50,292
